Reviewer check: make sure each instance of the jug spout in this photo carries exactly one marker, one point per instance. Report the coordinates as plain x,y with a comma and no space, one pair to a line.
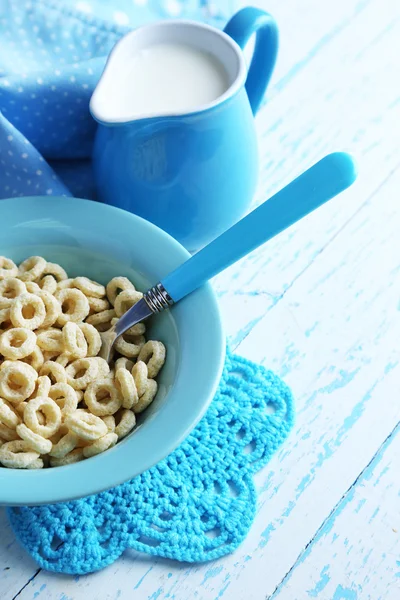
167,69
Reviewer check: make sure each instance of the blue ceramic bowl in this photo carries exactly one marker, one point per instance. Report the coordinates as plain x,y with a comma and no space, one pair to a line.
88,238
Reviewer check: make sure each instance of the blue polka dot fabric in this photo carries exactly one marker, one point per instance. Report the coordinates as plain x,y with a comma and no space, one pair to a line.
51,56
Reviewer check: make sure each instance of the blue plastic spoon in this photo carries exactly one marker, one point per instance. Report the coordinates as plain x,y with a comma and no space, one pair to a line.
323,181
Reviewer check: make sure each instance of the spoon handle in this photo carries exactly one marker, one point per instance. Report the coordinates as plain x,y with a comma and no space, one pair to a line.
314,187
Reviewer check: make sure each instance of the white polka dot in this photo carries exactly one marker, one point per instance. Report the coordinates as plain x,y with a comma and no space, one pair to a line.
10,138
72,78
20,89
49,191
24,155
85,86
10,153
33,95
5,82
120,17
83,7
38,172
39,80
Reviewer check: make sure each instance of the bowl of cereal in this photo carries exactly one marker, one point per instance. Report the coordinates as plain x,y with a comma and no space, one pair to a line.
70,424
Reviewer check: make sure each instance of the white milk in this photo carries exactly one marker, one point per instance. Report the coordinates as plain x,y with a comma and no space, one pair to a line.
170,78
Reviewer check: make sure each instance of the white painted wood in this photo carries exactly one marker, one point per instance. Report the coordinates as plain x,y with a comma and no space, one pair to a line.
334,88
355,553
334,337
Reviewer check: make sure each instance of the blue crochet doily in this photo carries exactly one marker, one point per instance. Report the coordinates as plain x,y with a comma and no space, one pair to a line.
196,505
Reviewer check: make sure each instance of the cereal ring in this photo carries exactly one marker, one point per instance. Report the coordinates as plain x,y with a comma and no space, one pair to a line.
51,340
109,420
50,356
104,443
124,363
97,304
147,397
125,300
117,285
8,416
7,268
102,398
27,310
35,359
10,288
17,381
20,408
32,287
85,425
89,287
65,445
102,317
65,396
74,306
7,434
138,329
129,345
65,284
49,409
64,359
48,284
43,385
55,371
63,430
52,307
36,464
74,340
140,375
32,268
73,457
104,367
92,337
56,271
35,442
126,424
128,388
82,372
17,455
17,342
153,354
5,321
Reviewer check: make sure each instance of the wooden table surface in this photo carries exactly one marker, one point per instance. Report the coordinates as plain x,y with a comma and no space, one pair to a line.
319,305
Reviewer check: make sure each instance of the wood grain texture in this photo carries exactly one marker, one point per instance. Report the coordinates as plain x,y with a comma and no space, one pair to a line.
319,305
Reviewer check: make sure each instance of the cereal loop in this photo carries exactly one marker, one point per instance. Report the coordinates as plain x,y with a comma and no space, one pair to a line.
32,287
31,268
51,340
128,388
35,442
139,373
65,397
102,398
82,372
86,426
7,268
8,415
92,338
56,271
35,359
148,396
97,304
100,445
17,455
109,420
74,340
49,409
101,318
10,289
65,445
153,354
125,300
74,306
5,322
17,381
52,308
117,285
126,424
69,459
27,310
17,343
138,329
129,346
7,434
89,287
54,371
48,284
104,367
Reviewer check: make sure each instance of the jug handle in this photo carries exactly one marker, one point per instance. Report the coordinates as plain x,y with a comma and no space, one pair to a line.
242,25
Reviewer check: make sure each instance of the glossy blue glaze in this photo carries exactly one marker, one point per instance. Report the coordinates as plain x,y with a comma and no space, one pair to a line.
88,238
191,174
323,181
